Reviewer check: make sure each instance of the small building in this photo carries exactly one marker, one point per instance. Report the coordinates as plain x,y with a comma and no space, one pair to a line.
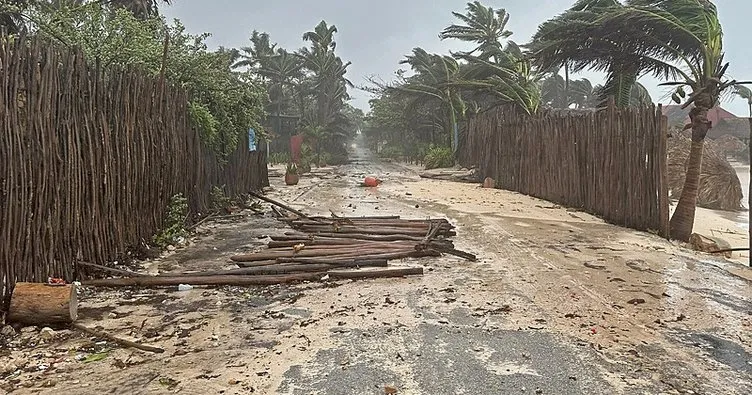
724,122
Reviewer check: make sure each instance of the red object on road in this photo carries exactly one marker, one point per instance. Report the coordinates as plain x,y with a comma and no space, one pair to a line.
371,182
296,144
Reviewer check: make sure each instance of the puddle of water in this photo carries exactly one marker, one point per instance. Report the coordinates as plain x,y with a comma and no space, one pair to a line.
724,351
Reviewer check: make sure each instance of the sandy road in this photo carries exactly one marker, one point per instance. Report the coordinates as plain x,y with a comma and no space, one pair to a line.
560,303
636,312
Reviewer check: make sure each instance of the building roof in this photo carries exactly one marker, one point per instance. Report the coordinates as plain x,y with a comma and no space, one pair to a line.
724,122
677,115
737,127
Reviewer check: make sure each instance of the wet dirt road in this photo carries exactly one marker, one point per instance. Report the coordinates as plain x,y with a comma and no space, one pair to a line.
586,307
559,303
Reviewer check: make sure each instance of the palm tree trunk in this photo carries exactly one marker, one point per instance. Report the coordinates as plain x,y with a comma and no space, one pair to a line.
749,191
566,84
683,219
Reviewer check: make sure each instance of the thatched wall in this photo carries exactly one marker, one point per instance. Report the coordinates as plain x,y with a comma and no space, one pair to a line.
720,188
733,148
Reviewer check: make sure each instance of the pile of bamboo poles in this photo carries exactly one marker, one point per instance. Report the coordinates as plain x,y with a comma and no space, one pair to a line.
323,248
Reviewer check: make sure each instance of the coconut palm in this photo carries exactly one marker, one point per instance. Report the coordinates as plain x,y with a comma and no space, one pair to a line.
678,40
483,26
322,37
436,79
260,48
746,94
580,39
142,9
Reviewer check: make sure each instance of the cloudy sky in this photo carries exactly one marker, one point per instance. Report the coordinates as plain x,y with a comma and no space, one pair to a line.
375,34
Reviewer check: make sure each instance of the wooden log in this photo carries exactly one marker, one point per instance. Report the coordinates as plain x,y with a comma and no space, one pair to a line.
369,256
294,267
274,254
251,280
42,304
296,236
371,231
309,242
111,270
115,339
281,205
380,273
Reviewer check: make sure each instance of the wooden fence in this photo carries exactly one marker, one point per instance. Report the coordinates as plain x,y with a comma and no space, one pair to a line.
611,163
89,159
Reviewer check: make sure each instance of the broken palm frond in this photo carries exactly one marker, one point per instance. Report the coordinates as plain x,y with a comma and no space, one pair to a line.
720,188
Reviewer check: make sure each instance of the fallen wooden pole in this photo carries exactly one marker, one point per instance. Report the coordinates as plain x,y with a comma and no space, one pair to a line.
309,242
281,205
274,254
453,251
381,273
319,266
114,339
163,281
251,280
127,273
358,236
387,256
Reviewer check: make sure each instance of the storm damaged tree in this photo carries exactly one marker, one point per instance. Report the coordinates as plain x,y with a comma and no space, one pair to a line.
677,40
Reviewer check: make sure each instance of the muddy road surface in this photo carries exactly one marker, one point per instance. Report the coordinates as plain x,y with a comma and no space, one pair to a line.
558,303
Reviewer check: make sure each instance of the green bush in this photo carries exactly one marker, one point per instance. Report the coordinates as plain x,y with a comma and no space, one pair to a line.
391,152
439,157
338,159
174,224
276,158
219,201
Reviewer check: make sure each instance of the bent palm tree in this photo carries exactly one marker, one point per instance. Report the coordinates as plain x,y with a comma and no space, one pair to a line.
648,37
260,48
141,9
582,40
483,26
746,94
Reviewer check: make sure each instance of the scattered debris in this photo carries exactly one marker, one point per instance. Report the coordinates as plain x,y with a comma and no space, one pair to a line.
456,175
636,301
371,182
122,342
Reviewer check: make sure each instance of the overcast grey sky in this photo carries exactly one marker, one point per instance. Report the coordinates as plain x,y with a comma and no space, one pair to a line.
375,34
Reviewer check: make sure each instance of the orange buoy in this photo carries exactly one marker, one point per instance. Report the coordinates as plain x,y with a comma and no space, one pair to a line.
371,182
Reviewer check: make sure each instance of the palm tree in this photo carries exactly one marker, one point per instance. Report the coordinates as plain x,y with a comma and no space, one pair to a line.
322,37
280,69
142,9
437,80
483,26
580,39
746,94
260,48
648,37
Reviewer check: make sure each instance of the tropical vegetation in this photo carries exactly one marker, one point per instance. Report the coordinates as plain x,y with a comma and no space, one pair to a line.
231,89
677,41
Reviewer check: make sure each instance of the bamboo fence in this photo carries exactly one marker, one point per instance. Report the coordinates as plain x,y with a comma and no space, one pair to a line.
89,159
611,163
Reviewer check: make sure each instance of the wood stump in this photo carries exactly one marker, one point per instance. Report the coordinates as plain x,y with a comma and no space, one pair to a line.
43,304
